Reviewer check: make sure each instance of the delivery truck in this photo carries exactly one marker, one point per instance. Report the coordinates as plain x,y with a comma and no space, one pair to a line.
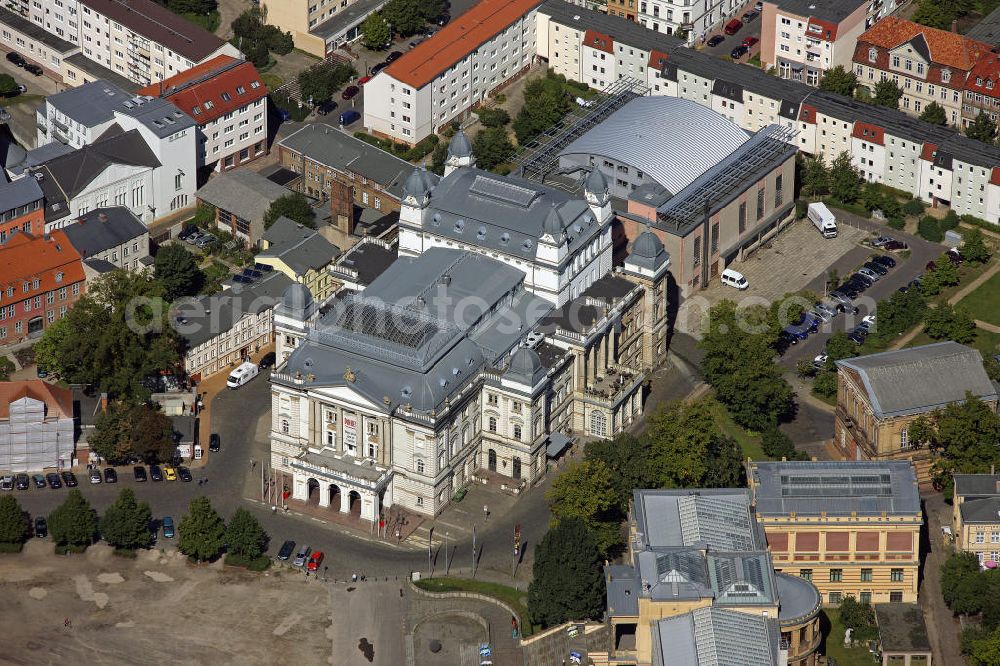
241,375
822,219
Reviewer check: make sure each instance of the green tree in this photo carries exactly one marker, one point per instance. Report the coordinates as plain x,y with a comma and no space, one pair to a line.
493,117
815,176
585,491
688,451
982,647
825,384
177,269
244,535
935,114
777,445
859,617
547,102
974,248
961,585
929,229
840,81
125,524
567,581
845,181
839,347
113,337
947,272
318,83
946,322
898,313
438,158
982,128
887,93
627,456
964,433
492,148
375,32
8,86
73,522
6,368
15,525
201,531
133,428
405,16
295,207
914,207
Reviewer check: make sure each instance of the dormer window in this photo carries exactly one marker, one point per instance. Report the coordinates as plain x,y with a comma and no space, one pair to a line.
872,55
979,80
989,84
945,75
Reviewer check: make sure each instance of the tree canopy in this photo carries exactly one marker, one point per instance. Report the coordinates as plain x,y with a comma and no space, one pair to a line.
253,35
113,337
244,535
178,271
814,176
567,580
375,32
688,451
547,101
294,206
947,322
934,113
126,523
965,435
8,86
128,429
201,531
839,80
845,181
887,93
585,491
492,148
320,82
974,248
982,128
74,522
15,526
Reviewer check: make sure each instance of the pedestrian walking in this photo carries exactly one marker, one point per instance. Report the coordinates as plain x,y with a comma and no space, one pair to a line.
486,512
354,578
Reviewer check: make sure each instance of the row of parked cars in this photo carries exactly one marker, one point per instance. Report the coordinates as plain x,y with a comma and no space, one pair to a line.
197,238
51,480
305,557
17,59
158,473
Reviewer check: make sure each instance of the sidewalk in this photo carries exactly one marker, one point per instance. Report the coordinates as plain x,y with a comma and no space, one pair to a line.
209,388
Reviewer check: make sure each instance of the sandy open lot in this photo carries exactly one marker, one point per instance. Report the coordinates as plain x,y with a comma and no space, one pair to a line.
155,609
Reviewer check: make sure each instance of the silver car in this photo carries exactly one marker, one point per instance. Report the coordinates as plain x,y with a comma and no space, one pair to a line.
870,274
302,557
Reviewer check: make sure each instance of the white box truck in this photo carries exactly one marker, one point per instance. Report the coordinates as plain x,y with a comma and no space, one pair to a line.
242,374
822,219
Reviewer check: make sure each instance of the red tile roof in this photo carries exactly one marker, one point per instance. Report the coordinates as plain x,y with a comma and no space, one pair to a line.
191,89
657,59
807,114
927,152
868,132
25,257
58,401
599,41
946,48
827,30
995,176
463,35
985,76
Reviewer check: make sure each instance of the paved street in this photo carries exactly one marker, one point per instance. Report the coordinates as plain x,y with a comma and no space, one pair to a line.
942,627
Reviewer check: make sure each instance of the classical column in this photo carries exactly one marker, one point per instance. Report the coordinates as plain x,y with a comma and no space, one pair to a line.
324,495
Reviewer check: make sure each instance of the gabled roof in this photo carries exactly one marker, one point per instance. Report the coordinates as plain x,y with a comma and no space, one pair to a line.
302,249
17,193
968,485
242,192
159,24
943,47
981,510
920,379
103,228
716,637
198,91
58,401
26,256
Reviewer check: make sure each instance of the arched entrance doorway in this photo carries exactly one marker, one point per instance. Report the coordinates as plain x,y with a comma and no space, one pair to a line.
354,497
312,495
335,496
492,460
516,468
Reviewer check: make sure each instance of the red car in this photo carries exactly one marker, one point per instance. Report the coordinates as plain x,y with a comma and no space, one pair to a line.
363,80
349,92
315,560
750,41
733,27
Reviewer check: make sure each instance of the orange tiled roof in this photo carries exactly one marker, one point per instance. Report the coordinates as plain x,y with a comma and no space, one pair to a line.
58,401
657,59
868,132
463,35
946,48
827,30
25,256
192,88
599,41
985,76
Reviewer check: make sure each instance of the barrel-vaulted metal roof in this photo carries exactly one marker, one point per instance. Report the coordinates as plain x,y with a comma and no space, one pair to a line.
671,140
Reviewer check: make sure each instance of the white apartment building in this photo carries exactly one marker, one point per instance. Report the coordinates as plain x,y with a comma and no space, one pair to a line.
442,78
693,19
137,39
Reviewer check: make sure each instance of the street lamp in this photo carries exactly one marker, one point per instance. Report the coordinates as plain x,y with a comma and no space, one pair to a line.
446,552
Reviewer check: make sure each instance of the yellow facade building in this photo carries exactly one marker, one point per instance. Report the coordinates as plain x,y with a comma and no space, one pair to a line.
852,528
302,254
975,521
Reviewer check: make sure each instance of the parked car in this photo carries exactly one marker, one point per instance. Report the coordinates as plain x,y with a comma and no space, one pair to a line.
169,473
21,481
69,479
895,246
302,557
110,475
822,313
349,116
286,550
795,333
21,88
95,476
6,482
954,256
53,480
364,79
39,480
786,338
155,473
750,16
738,52
315,561
326,107
376,69
840,296
716,40
443,19
16,58
34,69
267,361
749,42
733,27
350,92
168,527
214,443
139,472
876,268
184,474
882,240
758,6
885,260
820,360
857,335
41,527
394,56
285,116
415,42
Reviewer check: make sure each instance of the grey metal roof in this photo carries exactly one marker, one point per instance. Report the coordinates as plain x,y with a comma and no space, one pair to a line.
34,32
98,71
919,379
901,628
96,102
330,146
242,192
525,367
20,192
352,15
413,335
40,155
969,485
682,518
840,488
367,259
672,140
834,11
210,316
799,598
161,117
647,252
505,214
982,510
622,590
987,30
159,24
716,637
626,32
103,228
100,265
300,247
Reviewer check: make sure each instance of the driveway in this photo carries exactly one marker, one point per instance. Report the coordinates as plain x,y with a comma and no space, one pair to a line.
729,42
942,627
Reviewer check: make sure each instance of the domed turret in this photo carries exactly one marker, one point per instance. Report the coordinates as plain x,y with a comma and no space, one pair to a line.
525,367
297,301
647,245
595,190
416,186
553,225
595,182
648,256
459,153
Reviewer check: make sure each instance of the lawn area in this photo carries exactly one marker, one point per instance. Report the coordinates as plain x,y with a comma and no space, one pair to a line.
986,341
272,81
749,443
834,639
514,598
966,274
984,302
207,21
21,99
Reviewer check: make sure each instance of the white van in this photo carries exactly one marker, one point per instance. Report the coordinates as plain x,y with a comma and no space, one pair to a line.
241,375
734,279
821,217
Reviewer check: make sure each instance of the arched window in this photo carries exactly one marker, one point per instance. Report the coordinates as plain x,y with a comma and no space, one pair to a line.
465,435
493,424
598,424
517,432
441,461
872,55
284,426
420,466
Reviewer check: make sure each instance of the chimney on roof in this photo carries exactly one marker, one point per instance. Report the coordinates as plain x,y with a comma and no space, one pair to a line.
954,25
